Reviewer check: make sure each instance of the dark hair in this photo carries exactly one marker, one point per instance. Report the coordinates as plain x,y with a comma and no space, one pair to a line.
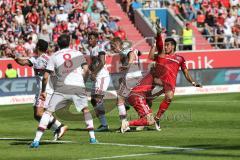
172,41
117,39
9,66
63,41
95,34
42,45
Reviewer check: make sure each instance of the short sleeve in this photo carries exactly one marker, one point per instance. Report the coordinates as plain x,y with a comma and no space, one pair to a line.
50,65
32,61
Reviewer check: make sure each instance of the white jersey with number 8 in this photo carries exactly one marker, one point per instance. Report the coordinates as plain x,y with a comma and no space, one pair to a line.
67,65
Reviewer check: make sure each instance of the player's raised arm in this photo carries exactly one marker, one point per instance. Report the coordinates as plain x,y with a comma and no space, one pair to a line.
157,44
159,39
151,54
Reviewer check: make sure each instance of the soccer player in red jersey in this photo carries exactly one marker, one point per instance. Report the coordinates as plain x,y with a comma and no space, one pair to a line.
163,74
166,70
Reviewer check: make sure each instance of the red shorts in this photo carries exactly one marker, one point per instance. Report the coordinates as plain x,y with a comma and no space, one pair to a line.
146,84
168,85
140,105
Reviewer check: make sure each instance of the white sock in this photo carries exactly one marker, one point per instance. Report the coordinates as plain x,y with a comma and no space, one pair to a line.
88,120
55,125
38,135
92,134
122,111
42,125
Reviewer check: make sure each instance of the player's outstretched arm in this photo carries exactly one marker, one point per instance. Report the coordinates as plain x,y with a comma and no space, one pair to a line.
23,62
20,61
189,78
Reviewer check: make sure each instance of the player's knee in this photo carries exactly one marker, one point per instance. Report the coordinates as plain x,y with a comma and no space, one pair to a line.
96,100
93,101
38,114
169,97
37,118
98,106
120,100
85,110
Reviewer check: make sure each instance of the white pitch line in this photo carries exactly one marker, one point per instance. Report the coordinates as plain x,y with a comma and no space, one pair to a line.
112,144
122,156
58,141
49,141
7,138
146,146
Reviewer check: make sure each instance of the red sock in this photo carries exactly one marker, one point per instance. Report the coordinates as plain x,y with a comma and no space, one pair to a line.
139,122
162,108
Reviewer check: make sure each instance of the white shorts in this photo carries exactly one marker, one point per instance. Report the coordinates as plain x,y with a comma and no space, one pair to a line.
59,101
100,86
37,101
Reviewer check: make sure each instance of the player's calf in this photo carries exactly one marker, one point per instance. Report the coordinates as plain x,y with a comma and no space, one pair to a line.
38,112
89,124
97,102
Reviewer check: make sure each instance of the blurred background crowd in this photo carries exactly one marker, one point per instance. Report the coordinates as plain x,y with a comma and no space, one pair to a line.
23,22
217,20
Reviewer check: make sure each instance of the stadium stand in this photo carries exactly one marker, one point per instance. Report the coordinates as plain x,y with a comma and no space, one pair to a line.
23,22
217,21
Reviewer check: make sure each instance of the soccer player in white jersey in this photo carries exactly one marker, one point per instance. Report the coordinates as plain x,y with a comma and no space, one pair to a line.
71,70
131,73
100,77
39,64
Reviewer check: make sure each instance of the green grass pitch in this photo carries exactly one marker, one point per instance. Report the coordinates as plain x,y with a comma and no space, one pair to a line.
208,126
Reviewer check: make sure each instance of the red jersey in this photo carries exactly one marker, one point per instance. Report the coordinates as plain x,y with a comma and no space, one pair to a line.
167,67
166,70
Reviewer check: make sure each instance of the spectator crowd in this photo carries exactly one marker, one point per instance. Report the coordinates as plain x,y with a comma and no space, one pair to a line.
23,22
217,20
